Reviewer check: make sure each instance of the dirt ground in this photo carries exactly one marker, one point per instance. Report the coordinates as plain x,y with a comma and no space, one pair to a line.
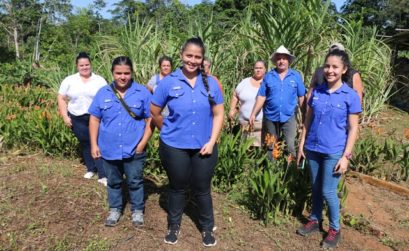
45,204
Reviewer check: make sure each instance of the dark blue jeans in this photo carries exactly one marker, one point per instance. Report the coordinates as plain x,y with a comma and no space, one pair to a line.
324,183
81,131
187,168
133,170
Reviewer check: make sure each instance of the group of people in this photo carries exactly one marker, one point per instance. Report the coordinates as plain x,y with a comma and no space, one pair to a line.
114,123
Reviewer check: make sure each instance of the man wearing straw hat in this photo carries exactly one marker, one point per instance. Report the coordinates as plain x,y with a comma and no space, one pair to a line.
279,92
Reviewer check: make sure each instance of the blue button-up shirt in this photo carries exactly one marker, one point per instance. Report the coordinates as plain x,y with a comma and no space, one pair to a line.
119,133
190,120
328,131
281,95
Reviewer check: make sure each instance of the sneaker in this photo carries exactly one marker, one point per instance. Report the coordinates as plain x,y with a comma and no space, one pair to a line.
332,239
89,175
113,217
172,235
208,239
310,227
137,218
103,181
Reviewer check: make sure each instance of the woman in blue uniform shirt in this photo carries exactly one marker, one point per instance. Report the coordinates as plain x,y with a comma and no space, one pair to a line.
188,136
329,134
120,138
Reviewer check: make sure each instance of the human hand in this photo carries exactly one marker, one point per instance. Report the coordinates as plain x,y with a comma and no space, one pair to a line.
95,153
252,119
207,149
342,165
140,148
300,156
231,115
67,121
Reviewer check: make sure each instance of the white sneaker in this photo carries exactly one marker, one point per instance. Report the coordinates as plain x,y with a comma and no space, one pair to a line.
103,181
89,175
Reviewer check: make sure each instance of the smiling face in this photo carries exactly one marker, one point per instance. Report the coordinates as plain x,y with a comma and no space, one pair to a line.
334,68
122,75
282,62
165,68
192,58
259,70
84,67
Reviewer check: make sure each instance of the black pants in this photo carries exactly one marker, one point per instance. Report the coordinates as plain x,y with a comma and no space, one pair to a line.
187,168
81,131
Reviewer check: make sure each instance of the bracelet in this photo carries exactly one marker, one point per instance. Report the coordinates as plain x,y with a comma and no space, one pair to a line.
348,156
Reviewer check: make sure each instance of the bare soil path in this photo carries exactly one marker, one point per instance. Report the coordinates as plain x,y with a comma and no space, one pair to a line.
45,204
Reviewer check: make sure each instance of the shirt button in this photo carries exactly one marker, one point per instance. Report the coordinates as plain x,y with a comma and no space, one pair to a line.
193,91
320,123
193,123
194,101
194,112
193,136
119,112
120,145
119,134
119,123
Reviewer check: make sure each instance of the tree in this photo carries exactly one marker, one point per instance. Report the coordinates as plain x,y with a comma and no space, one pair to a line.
22,19
386,15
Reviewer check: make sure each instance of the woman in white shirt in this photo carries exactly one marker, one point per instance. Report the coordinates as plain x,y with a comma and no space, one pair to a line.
245,96
74,98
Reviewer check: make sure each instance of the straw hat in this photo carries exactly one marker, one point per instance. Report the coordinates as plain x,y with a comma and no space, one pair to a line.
336,46
282,50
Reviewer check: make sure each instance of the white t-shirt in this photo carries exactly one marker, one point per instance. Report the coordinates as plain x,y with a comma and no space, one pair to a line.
80,94
153,82
247,95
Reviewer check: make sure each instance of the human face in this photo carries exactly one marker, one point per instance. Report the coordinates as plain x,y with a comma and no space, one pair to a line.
192,58
84,67
259,70
206,65
282,62
334,68
165,68
122,76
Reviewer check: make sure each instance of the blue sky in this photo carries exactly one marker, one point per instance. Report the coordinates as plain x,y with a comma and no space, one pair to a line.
106,14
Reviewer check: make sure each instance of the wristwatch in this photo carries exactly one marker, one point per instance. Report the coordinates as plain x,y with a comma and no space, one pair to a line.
348,156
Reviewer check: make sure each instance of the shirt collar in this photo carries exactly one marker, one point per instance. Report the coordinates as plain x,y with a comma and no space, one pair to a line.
180,76
133,88
289,72
344,88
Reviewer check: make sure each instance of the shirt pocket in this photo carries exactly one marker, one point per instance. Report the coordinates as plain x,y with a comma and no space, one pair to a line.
339,112
176,93
107,110
212,94
136,107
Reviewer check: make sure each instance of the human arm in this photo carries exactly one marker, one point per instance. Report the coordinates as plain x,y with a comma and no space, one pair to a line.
62,108
342,165
218,112
358,85
256,108
305,129
149,127
93,135
157,118
233,105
